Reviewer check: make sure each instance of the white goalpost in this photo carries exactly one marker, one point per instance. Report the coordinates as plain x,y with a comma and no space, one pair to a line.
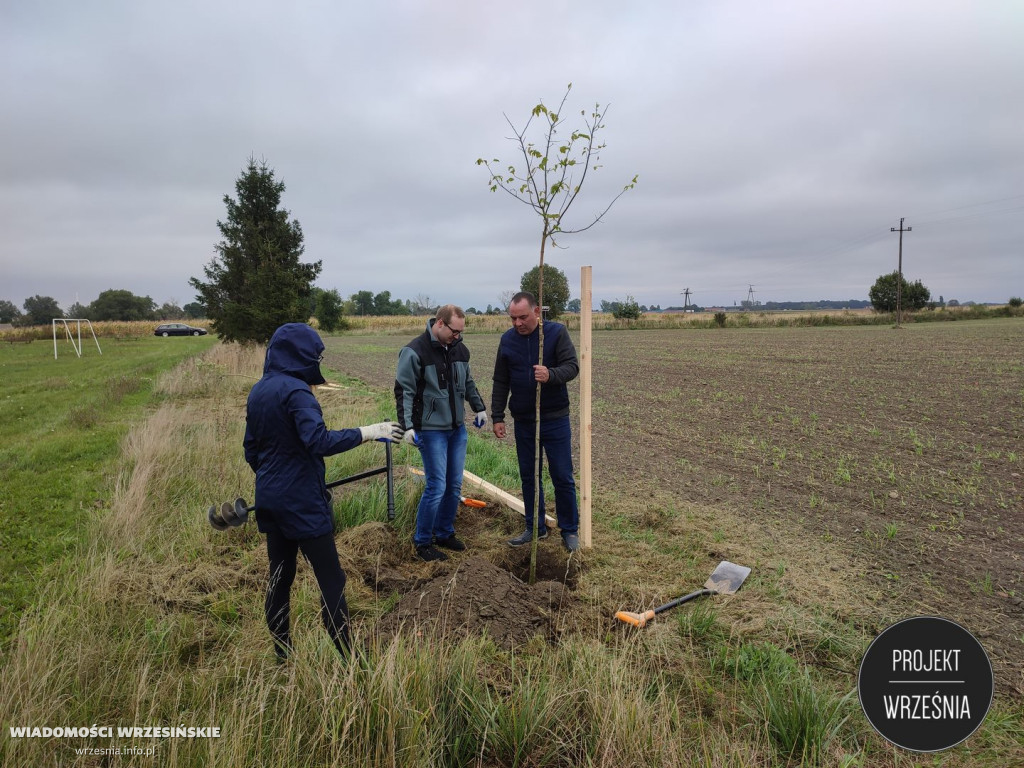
67,330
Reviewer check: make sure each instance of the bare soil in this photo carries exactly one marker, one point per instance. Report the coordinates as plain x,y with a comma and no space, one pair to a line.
868,474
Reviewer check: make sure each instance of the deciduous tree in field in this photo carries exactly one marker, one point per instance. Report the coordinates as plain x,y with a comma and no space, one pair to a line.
256,282
883,293
8,312
40,310
170,310
116,304
556,288
78,310
329,310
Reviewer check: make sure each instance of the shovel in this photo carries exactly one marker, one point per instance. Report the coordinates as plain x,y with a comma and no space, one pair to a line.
726,579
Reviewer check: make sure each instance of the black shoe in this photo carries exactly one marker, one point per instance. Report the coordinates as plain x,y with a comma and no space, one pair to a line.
525,538
452,543
427,553
571,542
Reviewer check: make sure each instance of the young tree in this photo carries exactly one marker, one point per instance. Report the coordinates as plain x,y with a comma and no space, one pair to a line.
883,293
627,310
504,299
556,288
256,283
40,310
329,310
422,305
548,181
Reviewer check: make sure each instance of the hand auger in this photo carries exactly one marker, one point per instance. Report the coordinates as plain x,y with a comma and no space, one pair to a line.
233,515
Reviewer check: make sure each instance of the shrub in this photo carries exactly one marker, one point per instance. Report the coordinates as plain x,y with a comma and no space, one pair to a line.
1015,301
720,319
627,310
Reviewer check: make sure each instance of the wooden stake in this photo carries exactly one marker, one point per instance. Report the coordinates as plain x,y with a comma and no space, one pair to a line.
586,359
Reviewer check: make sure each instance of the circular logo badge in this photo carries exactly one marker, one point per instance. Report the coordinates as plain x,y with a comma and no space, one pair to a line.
925,684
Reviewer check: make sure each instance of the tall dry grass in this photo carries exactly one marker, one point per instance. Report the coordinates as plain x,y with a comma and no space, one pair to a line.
157,621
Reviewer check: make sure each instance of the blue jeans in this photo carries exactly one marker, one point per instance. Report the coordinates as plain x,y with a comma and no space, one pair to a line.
444,458
556,444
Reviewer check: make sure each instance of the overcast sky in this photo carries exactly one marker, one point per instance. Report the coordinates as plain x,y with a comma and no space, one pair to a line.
775,143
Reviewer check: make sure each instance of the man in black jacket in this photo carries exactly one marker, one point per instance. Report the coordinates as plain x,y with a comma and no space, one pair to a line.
516,376
432,383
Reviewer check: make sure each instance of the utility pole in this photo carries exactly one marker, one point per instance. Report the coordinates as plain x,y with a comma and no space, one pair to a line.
686,299
899,280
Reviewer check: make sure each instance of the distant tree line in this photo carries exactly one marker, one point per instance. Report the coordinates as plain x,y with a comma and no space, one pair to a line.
112,304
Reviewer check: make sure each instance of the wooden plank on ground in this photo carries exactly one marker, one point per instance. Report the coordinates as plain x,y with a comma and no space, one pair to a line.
494,491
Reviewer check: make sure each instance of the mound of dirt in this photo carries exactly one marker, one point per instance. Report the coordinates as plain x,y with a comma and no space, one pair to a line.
478,598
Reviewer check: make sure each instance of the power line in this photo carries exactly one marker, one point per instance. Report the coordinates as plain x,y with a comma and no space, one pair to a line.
972,205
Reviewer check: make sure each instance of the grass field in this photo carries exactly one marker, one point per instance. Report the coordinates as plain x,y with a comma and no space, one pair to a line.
753,445
63,421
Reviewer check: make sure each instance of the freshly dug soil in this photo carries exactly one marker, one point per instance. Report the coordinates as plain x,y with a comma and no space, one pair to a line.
477,597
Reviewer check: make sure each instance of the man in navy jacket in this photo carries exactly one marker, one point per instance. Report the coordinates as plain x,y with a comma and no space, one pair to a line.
516,377
285,443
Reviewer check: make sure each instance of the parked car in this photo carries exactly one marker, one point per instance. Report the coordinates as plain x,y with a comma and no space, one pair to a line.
178,329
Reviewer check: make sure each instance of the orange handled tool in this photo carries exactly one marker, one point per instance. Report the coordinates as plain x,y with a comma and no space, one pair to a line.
468,502
726,579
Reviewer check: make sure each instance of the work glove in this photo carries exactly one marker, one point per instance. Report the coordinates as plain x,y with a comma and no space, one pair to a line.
411,438
385,432
480,420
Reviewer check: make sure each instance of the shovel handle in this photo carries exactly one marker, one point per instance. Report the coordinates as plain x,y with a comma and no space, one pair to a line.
640,619
636,619
684,599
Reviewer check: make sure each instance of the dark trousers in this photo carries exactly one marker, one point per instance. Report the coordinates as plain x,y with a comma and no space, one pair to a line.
322,556
556,444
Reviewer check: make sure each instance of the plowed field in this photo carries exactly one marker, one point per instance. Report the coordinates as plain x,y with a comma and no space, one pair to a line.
880,470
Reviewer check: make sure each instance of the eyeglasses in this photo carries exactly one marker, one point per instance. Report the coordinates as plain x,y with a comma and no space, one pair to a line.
455,332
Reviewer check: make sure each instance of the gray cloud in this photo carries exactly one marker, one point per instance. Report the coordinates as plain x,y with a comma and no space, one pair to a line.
775,143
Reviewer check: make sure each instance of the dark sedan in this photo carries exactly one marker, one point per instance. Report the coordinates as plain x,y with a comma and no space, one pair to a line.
178,329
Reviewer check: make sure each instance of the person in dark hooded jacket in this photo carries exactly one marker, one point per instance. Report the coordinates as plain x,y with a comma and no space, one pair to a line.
285,443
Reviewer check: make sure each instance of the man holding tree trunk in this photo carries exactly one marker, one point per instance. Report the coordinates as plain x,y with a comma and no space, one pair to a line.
516,377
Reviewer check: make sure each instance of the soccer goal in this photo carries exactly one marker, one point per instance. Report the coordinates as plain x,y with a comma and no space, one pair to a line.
77,345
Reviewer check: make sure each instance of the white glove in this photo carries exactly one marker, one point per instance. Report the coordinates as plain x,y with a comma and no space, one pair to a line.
385,432
480,420
411,438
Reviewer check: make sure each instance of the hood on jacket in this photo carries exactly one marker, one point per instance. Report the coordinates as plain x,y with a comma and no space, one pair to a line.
295,350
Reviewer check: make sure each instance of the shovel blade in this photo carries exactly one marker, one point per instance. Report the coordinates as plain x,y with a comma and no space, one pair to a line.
727,578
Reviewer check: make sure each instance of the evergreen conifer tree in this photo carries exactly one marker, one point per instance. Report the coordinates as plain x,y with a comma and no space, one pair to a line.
256,282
